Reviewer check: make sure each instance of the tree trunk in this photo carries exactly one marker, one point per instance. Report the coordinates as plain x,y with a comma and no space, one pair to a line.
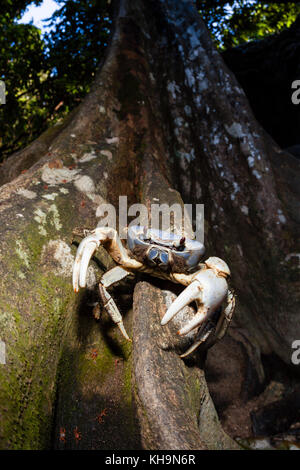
266,70
165,120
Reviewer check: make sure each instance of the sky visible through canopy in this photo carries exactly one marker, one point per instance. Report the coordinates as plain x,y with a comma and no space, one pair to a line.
40,13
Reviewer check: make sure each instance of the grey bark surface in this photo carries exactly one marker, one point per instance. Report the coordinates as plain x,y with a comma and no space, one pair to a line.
174,406
222,156
266,70
166,121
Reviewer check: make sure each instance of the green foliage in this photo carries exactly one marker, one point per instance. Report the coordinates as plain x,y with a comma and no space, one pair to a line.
47,76
235,22
21,59
76,47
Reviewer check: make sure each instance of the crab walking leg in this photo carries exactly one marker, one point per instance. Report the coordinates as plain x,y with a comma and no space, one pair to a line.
226,316
111,308
115,275
195,345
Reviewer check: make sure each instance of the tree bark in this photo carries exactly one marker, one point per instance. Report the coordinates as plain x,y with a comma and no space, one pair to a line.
165,120
266,70
25,158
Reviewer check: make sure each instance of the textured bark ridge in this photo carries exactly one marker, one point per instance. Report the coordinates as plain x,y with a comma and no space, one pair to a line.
174,406
222,157
165,122
25,158
266,70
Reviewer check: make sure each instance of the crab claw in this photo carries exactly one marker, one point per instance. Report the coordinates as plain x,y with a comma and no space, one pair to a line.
84,253
192,292
208,288
194,323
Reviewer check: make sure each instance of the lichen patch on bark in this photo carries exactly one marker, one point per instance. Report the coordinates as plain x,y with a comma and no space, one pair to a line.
59,251
55,176
27,193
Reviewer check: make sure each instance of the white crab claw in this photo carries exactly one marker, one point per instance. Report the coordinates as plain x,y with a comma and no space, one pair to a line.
194,323
190,293
84,253
87,254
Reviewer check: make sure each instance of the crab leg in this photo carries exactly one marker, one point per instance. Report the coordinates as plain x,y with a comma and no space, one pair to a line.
108,279
195,345
227,315
111,308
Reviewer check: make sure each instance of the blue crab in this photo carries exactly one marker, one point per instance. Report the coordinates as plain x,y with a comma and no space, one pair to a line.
167,256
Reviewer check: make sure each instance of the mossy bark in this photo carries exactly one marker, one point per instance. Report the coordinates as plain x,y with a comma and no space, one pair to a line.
165,121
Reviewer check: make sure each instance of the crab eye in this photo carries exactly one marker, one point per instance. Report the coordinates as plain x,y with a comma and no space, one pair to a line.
164,257
152,255
158,258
